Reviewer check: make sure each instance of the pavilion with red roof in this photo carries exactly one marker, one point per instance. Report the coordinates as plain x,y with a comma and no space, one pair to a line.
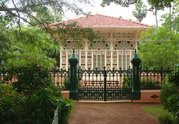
121,35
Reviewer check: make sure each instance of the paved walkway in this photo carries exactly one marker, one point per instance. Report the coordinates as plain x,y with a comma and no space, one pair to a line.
111,113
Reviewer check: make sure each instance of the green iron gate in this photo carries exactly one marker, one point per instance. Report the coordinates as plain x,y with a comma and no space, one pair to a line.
105,85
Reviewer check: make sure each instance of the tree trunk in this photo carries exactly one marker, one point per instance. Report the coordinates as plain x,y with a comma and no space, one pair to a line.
170,17
156,17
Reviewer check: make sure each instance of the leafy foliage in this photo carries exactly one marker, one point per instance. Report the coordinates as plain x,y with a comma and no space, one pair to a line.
124,3
166,91
158,48
158,3
149,84
140,11
29,79
127,83
173,77
24,10
166,118
64,32
32,99
171,20
30,45
10,105
169,94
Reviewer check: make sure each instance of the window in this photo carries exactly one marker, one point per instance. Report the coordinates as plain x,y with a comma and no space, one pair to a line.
98,60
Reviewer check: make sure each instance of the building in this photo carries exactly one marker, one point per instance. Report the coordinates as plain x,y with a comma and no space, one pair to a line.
121,40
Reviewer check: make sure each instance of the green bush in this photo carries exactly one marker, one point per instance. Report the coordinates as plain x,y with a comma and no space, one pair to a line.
173,104
174,77
37,104
166,118
67,83
144,84
29,78
167,90
11,105
65,109
127,83
169,95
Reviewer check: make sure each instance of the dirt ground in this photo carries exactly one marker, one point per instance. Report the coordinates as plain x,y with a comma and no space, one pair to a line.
112,113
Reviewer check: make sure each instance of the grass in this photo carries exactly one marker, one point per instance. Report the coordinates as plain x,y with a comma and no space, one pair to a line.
155,111
161,114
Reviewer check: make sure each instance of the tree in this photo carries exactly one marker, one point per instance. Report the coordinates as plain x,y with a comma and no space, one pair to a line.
140,11
158,48
30,46
25,9
126,3
155,4
36,13
172,19
47,17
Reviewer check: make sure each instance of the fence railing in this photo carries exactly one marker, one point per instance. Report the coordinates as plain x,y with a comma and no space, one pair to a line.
95,77
60,78
149,79
153,79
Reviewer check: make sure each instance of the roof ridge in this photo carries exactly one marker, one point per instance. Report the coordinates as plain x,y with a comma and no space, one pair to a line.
122,19
106,16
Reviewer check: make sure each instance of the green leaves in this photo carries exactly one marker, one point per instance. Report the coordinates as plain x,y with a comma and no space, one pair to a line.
63,32
140,11
158,48
29,46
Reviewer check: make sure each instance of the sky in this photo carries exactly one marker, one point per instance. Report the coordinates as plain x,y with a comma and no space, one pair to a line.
116,11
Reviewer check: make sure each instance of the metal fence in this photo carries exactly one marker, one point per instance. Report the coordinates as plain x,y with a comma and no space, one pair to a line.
153,79
149,79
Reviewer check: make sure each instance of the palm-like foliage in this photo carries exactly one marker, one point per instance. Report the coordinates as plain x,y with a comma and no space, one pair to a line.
140,11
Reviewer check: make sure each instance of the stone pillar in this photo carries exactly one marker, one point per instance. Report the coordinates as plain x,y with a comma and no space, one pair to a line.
73,76
136,81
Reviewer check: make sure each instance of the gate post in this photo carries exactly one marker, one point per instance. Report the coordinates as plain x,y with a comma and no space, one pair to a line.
105,75
136,81
73,76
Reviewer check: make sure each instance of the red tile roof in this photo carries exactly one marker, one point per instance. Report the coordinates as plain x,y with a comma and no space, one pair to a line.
102,21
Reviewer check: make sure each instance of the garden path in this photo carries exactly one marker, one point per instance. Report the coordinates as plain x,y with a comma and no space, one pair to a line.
112,113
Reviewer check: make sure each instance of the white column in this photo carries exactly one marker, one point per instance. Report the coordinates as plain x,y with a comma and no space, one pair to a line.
86,48
60,57
66,59
124,56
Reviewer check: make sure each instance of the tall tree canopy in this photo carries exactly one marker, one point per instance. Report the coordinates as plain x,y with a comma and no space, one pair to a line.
140,11
126,3
25,9
155,4
171,20
159,48
28,44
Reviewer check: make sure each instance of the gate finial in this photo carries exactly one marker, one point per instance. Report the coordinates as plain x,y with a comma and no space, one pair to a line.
73,51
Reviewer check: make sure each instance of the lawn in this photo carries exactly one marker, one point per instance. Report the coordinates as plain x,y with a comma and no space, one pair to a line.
155,111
